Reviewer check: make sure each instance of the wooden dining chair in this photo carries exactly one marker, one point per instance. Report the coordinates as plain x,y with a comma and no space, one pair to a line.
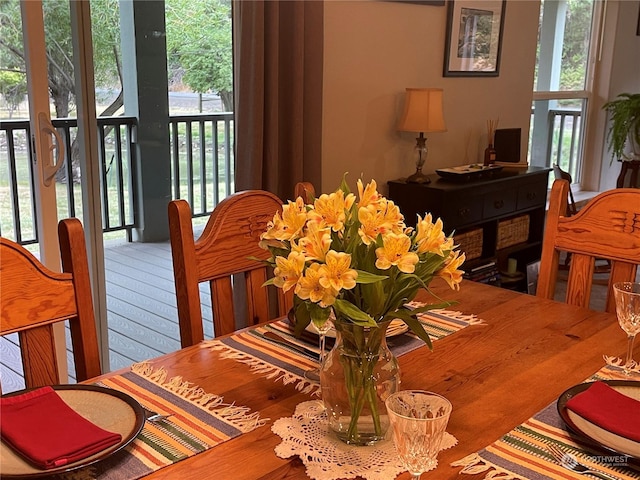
34,297
629,175
227,247
572,209
305,190
560,174
607,227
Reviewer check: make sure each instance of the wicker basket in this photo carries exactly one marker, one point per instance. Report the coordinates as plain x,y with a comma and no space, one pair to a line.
512,231
470,243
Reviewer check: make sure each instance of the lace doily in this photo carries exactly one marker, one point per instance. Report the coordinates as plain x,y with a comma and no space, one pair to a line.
307,435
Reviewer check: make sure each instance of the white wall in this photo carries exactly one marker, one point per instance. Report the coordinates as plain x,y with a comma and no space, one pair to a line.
375,49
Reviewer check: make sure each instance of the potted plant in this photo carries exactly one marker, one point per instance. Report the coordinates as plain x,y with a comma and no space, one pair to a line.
623,136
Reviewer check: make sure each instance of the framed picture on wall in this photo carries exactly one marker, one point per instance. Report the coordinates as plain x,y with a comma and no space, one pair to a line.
474,38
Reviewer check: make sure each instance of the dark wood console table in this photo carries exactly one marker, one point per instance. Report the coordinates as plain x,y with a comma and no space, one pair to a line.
486,208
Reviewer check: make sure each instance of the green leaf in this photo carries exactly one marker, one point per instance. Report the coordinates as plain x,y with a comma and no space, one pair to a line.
366,277
353,313
268,282
318,314
344,186
266,262
303,318
414,324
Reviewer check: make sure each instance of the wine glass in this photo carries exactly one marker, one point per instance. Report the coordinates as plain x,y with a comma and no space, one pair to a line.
418,420
627,296
321,328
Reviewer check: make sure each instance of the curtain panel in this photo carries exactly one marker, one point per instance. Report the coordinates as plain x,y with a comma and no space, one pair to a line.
278,59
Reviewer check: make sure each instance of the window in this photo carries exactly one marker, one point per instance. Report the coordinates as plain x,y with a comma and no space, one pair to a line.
562,84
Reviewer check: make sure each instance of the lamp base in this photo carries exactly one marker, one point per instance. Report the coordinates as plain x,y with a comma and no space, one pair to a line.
418,177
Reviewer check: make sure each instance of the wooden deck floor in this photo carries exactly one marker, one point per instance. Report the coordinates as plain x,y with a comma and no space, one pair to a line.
141,310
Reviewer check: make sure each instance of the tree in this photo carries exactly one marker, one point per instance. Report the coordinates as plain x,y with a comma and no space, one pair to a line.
199,44
575,48
201,51
13,88
59,48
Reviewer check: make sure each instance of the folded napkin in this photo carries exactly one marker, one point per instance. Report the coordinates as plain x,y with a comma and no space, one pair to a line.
609,409
47,432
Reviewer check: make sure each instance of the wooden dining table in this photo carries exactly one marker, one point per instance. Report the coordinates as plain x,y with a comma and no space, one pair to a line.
525,354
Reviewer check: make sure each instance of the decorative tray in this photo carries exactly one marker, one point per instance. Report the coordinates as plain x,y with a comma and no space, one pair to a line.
472,171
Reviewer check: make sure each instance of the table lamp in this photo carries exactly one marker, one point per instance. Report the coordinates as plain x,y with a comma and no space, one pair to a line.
423,114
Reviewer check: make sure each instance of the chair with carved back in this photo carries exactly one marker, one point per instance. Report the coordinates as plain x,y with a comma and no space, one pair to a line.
33,298
572,209
607,227
228,247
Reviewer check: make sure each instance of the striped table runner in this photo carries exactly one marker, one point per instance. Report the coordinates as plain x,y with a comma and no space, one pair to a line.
522,455
272,359
198,422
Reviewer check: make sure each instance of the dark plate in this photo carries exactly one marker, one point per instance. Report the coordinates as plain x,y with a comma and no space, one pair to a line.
606,439
110,409
465,173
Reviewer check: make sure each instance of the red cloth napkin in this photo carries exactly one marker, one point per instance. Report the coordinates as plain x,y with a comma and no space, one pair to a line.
609,409
48,432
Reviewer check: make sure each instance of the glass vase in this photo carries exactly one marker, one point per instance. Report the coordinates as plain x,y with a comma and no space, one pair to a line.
357,376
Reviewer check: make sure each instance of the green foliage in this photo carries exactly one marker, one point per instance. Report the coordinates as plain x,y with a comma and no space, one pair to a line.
575,45
13,88
625,122
199,44
59,47
105,25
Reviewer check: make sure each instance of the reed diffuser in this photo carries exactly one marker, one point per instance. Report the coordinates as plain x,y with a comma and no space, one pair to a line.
490,152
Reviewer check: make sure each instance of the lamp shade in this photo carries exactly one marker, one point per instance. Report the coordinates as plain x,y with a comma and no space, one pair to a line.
422,111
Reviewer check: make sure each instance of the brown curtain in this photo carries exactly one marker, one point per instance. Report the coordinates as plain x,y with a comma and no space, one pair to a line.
278,56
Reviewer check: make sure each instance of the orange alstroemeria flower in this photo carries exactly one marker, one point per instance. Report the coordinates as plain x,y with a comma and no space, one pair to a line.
310,288
315,243
287,225
337,273
330,210
429,237
368,195
395,251
450,271
288,270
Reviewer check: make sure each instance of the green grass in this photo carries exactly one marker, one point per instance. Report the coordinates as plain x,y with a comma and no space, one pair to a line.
24,200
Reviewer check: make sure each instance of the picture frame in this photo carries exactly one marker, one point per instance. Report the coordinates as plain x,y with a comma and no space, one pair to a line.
474,38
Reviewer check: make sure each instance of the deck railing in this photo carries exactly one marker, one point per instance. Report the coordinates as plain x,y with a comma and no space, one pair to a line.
201,167
564,143
201,170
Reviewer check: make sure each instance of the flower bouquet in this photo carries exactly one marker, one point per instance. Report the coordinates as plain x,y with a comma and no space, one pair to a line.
356,258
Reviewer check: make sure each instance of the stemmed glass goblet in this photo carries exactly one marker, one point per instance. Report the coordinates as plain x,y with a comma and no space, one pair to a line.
322,328
627,295
418,420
